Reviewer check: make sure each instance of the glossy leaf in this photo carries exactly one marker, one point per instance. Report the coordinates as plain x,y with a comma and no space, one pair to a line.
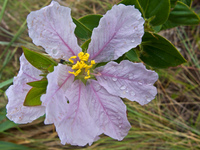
90,21
39,60
132,55
85,25
85,45
181,15
173,3
155,10
133,2
187,2
33,96
39,84
81,30
158,52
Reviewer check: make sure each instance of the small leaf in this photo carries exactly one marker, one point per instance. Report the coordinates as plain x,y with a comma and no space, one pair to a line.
90,21
33,96
155,10
133,2
85,45
38,60
81,30
85,25
132,55
39,84
187,2
173,3
181,15
158,52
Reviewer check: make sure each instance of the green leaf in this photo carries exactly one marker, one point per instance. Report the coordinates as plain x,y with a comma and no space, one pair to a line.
90,21
39,84
155,10
85,25
133,2
39,60
158,52
173,3
81,30
132,55
187,2
33,96
181,15
12,146
85,45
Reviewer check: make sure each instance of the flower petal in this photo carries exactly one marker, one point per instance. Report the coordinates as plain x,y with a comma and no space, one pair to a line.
77,127
55,99
119,30
108,111
52,28
17,92
128,80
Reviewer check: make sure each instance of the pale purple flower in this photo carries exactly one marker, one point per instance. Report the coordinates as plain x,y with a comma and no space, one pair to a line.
17,92
81,101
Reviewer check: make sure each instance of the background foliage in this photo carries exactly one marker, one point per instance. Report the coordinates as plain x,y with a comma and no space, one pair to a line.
171,121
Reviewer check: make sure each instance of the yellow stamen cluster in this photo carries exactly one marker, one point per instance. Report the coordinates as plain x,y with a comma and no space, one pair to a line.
82,64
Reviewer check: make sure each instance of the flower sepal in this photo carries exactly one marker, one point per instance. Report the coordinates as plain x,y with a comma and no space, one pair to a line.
38,89
43,63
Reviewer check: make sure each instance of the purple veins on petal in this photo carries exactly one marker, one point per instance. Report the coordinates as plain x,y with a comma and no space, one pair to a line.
119,30
17,92
128,80
108,111
52,28
55,99
77,127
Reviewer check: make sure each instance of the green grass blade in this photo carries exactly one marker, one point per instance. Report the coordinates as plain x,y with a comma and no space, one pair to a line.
3,9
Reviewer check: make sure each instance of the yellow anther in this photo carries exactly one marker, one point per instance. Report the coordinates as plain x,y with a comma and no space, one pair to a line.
72,72
70,59
80,55
86,77
77,72
83,57
81,64
73,57
92,62
76,66
88,72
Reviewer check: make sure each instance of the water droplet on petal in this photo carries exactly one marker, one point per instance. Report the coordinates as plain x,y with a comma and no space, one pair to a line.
105,77
133,41
132,93
54,51
114,79
140,82
120,126
123,87
127,91
131,76
148,98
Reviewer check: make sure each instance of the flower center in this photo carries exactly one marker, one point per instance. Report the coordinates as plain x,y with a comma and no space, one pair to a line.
82,67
